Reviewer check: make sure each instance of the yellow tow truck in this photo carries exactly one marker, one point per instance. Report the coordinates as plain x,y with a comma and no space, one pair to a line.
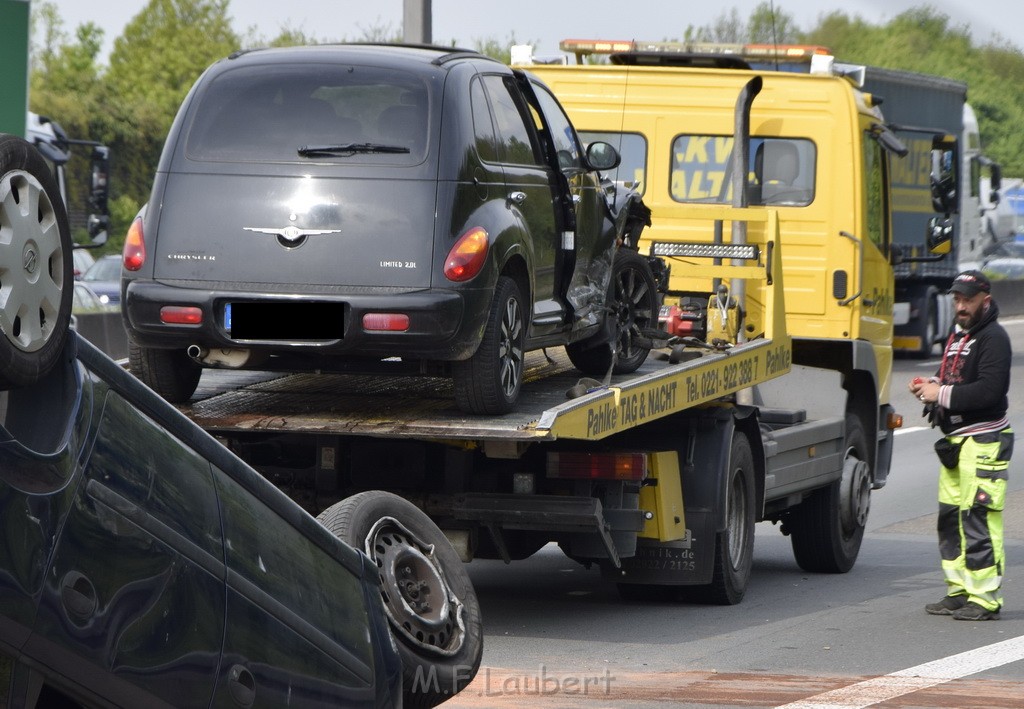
767,394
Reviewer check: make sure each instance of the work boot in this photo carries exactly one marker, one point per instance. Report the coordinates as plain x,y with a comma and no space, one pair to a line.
972,611
947,605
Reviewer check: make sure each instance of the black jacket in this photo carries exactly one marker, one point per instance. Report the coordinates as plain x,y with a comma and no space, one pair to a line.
977,364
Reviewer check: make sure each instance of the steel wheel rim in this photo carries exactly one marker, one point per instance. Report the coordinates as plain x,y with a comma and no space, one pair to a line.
510,351
855,493
31,262
737,519
418,601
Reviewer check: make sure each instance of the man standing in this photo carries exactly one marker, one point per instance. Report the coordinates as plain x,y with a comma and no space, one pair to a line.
967,399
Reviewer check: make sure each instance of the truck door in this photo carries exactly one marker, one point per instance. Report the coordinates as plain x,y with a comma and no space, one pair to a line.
875,278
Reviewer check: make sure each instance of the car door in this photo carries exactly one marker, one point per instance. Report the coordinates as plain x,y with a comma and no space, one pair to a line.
132,610
297,615
43,428
530,196
589,241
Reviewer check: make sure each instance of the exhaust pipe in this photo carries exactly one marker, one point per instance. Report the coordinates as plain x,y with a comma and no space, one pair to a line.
230,358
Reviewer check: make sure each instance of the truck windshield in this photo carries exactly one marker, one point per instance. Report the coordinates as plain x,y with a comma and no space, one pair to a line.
781,171
632,171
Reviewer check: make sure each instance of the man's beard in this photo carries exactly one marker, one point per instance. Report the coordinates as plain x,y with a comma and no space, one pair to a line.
966,321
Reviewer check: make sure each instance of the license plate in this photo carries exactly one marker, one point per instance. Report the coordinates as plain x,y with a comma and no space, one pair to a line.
284,321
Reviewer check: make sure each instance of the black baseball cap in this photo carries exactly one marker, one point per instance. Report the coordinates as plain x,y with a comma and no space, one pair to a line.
970,283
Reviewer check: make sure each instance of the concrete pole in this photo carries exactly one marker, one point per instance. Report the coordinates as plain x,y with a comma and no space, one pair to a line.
416,27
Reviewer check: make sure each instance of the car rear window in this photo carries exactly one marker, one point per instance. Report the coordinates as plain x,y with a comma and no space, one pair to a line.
268,113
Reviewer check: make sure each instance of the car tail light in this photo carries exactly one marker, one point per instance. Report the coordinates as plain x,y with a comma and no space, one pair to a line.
467,257
598,466
181,315
390,322
134,253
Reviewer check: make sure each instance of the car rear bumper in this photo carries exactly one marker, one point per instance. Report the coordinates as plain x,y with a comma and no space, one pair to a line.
443,324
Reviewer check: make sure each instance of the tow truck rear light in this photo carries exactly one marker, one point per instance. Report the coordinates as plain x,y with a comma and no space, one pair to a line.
181,315
134,253
468,255
387,322
597,466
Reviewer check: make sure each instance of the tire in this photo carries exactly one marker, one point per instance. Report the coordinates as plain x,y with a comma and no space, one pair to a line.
490,380
170,373
734,546
36,269
828,527
441,646
633,303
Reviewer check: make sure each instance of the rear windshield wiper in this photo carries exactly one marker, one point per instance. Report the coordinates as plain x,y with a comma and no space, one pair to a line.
343,149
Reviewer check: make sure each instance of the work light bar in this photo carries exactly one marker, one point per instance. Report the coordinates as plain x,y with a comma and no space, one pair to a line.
706,250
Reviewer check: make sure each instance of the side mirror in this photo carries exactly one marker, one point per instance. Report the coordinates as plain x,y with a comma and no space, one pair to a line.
603,156
98,221
944,175
940,235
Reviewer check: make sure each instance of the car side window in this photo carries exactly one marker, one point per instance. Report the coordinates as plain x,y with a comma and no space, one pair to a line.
562,133
483,127
517,144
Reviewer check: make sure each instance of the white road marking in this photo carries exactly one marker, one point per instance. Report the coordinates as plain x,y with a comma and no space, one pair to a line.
911,429
880,689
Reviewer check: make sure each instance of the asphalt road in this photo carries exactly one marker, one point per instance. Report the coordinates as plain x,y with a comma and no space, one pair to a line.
557,635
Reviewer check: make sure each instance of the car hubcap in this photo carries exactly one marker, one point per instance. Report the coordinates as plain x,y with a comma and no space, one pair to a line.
510,351
31,262
417,599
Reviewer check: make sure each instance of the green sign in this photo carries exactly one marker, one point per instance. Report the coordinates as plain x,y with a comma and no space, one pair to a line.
13,66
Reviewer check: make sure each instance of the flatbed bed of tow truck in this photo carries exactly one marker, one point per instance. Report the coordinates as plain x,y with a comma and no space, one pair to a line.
420,407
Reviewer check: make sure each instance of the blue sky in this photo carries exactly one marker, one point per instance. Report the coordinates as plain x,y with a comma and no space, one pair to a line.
545,22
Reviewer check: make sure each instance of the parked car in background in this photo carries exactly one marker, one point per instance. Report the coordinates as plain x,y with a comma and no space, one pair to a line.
82,260
1004,268
104,277
143,564
361,206
86,300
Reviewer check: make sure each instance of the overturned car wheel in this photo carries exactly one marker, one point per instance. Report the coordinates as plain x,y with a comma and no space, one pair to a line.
36,274
429,600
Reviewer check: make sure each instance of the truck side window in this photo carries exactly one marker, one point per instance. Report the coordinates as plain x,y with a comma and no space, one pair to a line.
874,191
517,145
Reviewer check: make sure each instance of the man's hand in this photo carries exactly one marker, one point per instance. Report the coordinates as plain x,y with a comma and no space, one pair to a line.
925,390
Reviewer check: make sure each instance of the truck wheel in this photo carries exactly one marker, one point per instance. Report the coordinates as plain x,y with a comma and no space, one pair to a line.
490,380
170,373
828,527
428,598
734,546
36,273
633,303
